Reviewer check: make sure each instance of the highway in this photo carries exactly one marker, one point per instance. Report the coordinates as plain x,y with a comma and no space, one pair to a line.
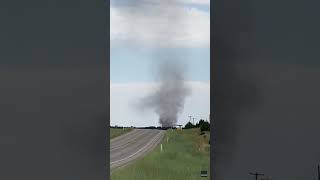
133,145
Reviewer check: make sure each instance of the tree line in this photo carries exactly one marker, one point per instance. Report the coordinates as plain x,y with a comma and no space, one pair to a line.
202,124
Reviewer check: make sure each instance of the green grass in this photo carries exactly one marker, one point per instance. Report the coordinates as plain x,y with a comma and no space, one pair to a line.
114,132
183,157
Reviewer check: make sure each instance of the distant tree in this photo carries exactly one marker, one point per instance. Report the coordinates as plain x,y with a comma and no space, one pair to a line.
189,125
200,123
205,126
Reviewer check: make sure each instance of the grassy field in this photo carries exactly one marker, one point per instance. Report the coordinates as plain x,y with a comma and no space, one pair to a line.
183,157
114,132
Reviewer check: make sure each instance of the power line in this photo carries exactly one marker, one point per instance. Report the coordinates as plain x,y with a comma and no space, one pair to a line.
256,175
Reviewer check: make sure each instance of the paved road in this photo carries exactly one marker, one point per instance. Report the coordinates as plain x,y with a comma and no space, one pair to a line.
132,145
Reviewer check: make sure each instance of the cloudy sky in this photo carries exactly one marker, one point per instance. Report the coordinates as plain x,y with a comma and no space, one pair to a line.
145,32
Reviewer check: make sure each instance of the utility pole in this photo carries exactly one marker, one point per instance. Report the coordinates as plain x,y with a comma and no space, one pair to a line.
190,118
193,120
256,175
318,172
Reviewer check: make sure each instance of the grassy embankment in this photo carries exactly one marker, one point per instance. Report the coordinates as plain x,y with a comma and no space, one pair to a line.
183,157
114,132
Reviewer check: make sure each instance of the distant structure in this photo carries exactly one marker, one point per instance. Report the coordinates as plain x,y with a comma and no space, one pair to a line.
179,127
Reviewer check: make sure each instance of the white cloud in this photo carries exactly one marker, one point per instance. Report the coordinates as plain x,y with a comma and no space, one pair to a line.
160,25
123,96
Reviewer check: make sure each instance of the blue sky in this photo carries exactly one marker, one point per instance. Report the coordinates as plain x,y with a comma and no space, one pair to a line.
144,32
135,65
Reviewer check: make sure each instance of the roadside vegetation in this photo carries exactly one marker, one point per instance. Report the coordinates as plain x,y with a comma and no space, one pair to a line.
184,156
118,131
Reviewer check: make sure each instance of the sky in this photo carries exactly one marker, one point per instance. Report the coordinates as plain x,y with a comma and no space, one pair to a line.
146,32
